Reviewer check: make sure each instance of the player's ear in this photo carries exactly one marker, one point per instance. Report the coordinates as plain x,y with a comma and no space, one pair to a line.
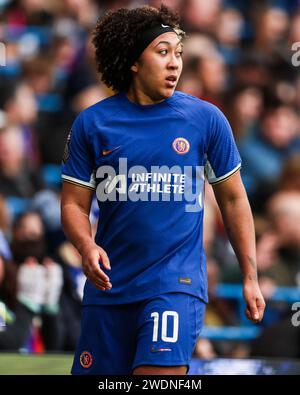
134,67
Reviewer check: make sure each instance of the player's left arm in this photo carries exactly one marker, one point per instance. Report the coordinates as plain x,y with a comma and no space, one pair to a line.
238,220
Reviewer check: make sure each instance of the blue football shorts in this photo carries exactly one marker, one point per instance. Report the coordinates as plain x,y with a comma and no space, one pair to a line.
159,331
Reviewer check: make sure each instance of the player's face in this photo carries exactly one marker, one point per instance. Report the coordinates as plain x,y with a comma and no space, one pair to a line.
159,67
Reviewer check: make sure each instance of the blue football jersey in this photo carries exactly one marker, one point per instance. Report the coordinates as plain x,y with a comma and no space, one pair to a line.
147,165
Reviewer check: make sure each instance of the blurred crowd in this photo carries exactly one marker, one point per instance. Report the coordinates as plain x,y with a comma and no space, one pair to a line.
238,56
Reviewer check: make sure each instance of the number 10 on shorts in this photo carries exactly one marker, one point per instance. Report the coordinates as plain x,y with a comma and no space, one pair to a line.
164,325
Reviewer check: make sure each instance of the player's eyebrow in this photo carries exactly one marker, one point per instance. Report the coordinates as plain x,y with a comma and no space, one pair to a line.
168,43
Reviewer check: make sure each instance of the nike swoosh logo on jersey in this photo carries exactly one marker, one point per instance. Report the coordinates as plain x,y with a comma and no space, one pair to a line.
164,25
109,151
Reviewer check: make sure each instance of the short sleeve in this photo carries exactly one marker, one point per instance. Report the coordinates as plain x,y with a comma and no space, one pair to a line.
77,163
222,156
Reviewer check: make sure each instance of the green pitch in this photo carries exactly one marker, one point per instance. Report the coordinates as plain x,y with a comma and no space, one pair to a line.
35,364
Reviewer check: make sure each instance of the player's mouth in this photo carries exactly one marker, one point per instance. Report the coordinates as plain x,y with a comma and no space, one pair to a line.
171,81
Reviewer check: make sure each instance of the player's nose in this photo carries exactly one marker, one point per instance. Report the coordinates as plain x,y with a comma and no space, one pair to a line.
173,62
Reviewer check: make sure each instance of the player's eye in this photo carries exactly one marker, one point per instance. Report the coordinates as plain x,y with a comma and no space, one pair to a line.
163,51
179,53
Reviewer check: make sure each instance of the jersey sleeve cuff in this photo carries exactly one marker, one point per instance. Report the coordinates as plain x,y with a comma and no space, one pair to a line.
216,180
76,181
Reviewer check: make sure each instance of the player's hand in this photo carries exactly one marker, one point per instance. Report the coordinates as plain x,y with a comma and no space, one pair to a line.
92,255
254,300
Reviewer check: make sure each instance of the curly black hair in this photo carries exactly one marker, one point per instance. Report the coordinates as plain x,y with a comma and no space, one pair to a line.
115,37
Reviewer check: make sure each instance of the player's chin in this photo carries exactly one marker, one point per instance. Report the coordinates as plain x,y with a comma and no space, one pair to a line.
167,91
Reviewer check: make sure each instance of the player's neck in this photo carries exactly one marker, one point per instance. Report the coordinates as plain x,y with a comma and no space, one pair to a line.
140,97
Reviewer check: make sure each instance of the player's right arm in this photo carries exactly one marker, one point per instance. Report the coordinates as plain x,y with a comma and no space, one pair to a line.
75,207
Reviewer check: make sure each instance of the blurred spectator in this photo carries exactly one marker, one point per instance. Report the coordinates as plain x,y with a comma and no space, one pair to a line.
204,349
25,292
212,73
38,72
229,28
173,4
84,11
200,15
18,102
290,176
229,34
271,25
5,229
39,280
278,250
16,177
20,107
5,219
294,28
288,180
28,238
18,317
191,85
280,339
284,212
218,311
252,69
72,293
87,97
244,110
265,151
